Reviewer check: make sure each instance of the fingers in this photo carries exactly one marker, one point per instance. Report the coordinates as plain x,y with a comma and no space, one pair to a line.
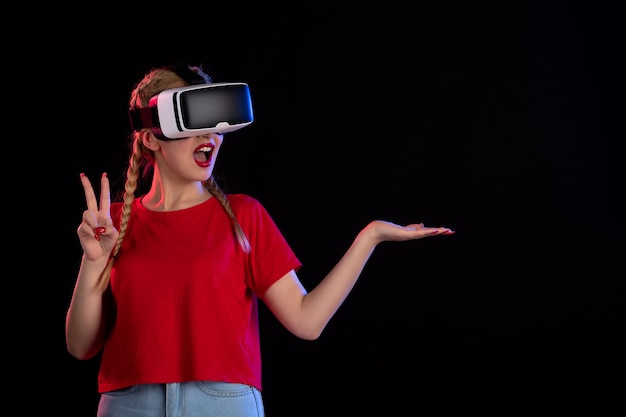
90,196
431,230
99,231
419,231
105,194
382,231
89,226
96,219
90,219
414,226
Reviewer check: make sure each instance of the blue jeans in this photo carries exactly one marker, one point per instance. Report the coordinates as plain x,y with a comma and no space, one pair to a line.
188,399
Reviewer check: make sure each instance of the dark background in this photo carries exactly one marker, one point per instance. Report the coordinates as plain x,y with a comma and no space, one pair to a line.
502,120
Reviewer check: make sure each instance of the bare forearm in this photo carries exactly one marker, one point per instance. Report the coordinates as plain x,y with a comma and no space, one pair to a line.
307,314
84,327
321,303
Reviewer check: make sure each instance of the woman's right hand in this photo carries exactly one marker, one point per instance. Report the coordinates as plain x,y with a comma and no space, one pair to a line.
96,232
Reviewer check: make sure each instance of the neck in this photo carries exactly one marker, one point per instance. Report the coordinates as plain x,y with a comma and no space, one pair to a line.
163,198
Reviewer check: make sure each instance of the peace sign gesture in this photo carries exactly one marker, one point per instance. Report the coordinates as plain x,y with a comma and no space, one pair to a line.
96,232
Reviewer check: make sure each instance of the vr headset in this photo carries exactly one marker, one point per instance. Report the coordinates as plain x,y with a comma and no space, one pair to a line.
195,110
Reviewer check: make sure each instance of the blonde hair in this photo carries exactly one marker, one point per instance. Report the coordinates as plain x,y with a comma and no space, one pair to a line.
155,81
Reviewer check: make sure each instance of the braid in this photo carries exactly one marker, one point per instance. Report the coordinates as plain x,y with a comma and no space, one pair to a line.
132,174
217,192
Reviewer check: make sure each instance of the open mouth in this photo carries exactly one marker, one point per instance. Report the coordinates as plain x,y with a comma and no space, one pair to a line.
202,155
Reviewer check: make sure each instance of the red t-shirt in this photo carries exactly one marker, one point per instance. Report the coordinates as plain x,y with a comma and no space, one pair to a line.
186,294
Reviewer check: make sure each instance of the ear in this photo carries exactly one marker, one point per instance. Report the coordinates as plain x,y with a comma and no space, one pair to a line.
149,140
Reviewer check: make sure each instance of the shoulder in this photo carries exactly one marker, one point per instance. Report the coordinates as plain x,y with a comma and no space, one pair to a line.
116,208
243,202
247,207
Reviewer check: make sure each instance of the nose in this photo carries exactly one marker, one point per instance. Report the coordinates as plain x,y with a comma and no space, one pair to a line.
210,135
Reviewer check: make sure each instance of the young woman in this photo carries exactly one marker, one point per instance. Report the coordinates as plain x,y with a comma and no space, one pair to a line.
169,281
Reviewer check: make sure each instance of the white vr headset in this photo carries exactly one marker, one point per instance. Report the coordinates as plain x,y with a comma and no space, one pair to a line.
195,110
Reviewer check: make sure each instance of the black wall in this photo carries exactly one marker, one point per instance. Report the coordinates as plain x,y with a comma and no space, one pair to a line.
501,120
